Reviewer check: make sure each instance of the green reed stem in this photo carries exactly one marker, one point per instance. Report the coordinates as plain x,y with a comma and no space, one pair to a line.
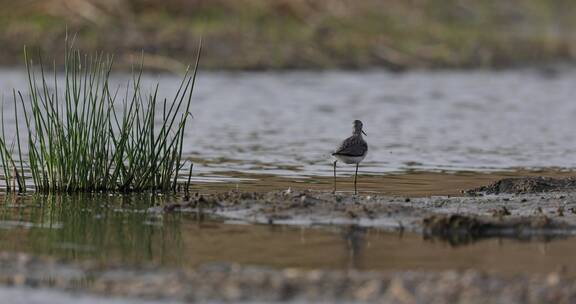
81,136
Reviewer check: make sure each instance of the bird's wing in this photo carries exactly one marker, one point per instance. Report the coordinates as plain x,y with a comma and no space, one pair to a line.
352,146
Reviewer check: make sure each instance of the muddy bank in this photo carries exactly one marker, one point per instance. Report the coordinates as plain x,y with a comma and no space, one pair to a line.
226,282
524,208
532,184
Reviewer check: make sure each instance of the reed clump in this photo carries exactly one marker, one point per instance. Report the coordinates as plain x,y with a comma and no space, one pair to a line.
76,133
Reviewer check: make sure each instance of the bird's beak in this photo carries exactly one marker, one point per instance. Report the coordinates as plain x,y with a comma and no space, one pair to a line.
364,133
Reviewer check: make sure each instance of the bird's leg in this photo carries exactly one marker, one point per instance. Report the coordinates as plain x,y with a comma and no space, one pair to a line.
355,179
334,176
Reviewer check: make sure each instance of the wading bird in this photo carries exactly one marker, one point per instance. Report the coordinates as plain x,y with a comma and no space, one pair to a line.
351,151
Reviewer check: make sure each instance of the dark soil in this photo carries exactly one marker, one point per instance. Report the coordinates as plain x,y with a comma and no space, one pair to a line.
527,185
461,229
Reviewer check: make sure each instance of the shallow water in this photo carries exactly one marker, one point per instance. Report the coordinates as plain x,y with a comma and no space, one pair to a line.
287,123
251,125
129,230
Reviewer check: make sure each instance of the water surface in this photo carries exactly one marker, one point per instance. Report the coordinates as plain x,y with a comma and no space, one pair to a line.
129,230
286,124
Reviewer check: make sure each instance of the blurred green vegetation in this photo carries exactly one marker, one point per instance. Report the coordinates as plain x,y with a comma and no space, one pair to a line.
280,34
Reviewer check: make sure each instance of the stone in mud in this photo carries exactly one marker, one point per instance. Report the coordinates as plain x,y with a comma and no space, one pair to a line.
523,185
501,212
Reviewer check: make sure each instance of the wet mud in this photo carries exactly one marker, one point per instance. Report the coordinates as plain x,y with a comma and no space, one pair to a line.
532,184
463,230
518,208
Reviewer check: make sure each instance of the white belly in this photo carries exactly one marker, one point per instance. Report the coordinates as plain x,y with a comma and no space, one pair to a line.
350,159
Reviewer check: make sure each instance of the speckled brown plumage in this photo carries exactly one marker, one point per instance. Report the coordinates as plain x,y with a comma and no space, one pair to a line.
354,146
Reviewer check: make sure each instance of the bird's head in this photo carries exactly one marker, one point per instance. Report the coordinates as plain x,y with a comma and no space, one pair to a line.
358,128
